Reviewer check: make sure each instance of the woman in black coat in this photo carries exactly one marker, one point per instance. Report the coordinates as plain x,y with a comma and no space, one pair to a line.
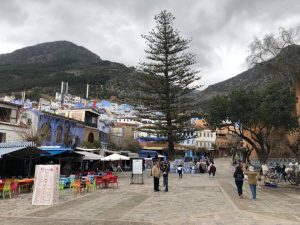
239,178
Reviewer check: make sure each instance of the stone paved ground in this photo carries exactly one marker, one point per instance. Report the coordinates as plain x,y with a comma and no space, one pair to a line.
195,199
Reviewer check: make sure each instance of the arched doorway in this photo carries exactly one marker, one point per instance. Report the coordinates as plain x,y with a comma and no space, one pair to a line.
91,137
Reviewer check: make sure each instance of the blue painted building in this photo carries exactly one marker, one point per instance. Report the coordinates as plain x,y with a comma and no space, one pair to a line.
54,130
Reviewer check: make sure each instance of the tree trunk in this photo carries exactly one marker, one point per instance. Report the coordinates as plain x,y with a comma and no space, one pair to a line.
171,151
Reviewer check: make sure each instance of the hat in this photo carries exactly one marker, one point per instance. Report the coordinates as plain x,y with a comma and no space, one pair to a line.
251,168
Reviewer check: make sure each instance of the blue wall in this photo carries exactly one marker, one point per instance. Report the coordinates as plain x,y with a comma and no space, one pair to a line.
76,129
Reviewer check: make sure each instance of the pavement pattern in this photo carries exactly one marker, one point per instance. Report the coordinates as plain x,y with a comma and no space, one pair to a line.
195,199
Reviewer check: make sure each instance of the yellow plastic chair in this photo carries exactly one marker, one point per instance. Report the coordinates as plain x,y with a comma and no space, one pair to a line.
94,186
61,185
71,184
6,189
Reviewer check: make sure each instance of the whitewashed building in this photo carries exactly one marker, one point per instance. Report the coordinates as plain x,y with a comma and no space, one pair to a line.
205,138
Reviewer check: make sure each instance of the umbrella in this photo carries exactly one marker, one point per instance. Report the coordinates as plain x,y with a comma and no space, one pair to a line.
115,157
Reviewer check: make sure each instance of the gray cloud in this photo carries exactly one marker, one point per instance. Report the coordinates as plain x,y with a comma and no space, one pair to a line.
220,30
11,12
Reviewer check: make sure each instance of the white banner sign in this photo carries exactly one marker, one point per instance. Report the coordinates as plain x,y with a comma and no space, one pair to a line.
137,166
46,185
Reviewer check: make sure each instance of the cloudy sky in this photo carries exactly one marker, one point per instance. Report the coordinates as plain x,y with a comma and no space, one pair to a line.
221,30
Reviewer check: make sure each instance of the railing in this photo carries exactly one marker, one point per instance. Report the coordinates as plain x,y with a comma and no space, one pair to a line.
14,144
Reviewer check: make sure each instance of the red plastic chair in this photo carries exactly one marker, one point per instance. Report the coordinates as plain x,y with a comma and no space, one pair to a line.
113,180
99,182
14,188
109,173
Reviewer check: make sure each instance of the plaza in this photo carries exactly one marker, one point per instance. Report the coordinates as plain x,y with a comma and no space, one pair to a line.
195,199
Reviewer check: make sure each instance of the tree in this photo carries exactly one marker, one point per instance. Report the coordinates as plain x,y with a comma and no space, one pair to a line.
166,80
131,145
278,55
255,115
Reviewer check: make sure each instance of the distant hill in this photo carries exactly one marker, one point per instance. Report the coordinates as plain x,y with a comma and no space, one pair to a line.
39,69
258,76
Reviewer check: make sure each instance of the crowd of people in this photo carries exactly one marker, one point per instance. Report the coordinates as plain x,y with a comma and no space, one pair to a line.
163,168
242,173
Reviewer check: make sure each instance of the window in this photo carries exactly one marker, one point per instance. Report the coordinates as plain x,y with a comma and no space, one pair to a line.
2,137
204,134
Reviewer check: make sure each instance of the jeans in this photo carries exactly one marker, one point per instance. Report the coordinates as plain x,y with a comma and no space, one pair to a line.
253,190
239,186
156,183
213,173
180,173
166,183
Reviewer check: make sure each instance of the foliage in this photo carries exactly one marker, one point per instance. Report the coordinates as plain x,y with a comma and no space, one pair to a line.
94,145
131,145
255,115
165,81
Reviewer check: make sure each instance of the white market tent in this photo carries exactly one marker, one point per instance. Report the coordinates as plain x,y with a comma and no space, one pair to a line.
88,149
89,155
115,157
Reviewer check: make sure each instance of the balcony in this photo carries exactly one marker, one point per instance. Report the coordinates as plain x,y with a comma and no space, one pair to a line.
90,124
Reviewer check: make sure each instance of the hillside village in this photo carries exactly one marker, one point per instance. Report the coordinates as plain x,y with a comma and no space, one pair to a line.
68,123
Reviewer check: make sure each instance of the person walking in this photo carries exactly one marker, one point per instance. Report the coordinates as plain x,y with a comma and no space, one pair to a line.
166,170
252,180
239,179
179,170
211,169
156,175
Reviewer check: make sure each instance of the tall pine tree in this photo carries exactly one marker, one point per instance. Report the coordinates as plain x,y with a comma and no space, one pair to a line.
166,82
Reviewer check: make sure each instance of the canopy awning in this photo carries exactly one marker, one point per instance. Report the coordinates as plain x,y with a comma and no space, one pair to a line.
89,155
147,154
88,149
55,150
115,157
20,151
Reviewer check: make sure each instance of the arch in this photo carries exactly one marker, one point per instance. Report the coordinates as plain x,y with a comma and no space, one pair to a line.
58,134
67,137
91,137
45,132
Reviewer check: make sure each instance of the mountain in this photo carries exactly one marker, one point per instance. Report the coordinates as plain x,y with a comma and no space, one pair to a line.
57,52
281,69
39,69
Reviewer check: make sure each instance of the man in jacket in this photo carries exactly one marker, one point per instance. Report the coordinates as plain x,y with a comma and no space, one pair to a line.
156,175
166,170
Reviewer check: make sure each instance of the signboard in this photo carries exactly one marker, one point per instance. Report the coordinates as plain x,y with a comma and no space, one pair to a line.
46,185
137,166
